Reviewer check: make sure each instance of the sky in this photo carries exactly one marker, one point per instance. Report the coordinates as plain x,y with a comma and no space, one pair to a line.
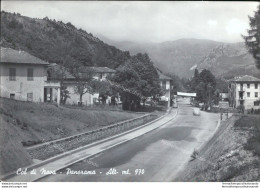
146,21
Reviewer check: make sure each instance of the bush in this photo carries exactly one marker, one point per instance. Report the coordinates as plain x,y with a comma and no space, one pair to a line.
194,155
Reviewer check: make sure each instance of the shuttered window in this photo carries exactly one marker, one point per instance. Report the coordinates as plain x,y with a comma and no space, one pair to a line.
29,74
12,74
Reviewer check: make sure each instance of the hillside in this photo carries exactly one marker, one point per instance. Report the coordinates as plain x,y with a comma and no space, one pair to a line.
226,60
174,57
55,41
182,56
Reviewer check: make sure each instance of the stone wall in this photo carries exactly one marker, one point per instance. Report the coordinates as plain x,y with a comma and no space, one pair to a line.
50,149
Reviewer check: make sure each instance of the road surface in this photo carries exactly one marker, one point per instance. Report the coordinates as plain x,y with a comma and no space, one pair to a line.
155,156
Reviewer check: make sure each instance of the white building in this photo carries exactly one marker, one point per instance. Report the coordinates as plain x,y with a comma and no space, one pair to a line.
245,91
165,83
24,77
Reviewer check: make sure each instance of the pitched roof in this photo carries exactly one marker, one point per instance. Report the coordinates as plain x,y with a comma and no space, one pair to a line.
162,76
9,55
247,78
99,70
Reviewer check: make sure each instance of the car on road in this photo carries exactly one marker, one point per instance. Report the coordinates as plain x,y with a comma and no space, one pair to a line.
196,111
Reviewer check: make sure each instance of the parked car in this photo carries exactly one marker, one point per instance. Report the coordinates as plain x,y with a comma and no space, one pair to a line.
163,98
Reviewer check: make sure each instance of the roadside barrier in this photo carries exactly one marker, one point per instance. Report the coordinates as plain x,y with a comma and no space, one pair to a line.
52,148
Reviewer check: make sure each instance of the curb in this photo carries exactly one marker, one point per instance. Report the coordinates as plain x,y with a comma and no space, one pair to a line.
30,167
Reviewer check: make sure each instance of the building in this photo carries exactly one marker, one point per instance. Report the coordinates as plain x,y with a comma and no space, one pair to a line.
245,91
223,96
100,74
24,77
69,82
165,83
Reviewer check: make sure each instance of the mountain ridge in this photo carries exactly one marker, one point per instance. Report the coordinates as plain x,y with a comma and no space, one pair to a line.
54,41
182,56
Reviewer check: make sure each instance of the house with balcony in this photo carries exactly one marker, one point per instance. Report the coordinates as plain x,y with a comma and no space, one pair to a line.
24,77
244,91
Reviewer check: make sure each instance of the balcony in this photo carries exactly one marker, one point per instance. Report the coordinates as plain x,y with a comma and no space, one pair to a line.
241,98
241,89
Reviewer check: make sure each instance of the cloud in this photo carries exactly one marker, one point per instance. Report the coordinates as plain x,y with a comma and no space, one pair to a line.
236,26
212,23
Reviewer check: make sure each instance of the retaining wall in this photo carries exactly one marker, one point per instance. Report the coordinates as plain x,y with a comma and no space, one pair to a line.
50,149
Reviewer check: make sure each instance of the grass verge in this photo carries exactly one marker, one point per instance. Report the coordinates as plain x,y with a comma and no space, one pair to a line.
26,123
231,155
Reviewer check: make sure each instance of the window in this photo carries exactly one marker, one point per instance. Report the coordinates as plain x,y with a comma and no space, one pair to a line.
241,87
12,74
256,103
256,86
248,85
248,94
164,84
29,74
30,97
256,94
12,96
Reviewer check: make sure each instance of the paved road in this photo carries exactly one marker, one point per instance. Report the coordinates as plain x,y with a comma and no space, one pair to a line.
159,154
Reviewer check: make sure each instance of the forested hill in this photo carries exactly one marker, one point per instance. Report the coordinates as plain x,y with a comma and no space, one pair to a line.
55,41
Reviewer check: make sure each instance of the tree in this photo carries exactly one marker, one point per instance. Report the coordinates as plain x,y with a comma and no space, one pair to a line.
252,41
125,81
83,76
195,80
136,80
204,84
103,88
209,81
84,80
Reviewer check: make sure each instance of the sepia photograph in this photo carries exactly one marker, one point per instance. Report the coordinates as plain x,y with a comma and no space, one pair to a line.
130,91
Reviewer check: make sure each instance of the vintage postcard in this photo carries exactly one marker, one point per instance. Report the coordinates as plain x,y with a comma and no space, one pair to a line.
130,91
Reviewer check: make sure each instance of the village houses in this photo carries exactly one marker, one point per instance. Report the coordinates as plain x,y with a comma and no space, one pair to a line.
69,82
27,78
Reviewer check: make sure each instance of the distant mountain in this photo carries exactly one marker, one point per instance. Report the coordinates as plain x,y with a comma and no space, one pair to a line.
182,56
227,60
55,41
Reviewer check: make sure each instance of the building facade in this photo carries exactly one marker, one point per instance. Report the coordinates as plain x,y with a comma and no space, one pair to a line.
23,76
245,91
165,83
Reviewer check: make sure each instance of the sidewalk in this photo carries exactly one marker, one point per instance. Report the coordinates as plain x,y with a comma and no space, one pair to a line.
71,157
